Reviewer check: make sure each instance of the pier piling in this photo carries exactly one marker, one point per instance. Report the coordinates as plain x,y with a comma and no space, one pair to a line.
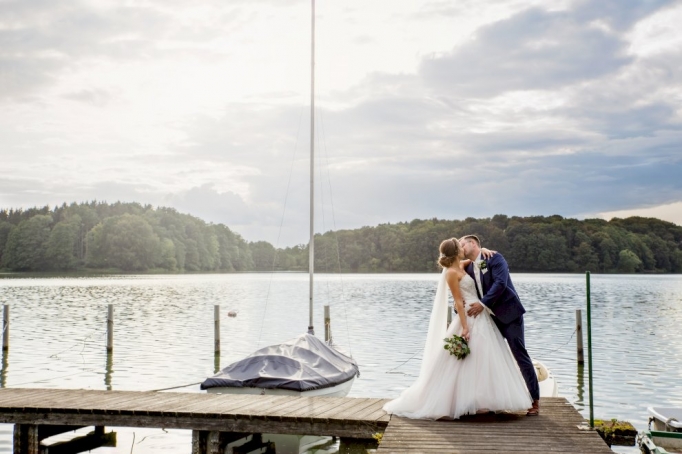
216,328
579,336
110,328
5,327
327,324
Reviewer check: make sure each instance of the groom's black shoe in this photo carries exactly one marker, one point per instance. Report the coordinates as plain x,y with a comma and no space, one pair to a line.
535,409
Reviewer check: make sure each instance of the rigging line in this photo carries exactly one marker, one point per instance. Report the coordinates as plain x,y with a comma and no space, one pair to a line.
405,362
84,340
54,378
335,234
281,223
174,387
561,346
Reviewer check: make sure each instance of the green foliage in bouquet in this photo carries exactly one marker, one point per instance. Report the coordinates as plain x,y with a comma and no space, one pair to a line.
457,346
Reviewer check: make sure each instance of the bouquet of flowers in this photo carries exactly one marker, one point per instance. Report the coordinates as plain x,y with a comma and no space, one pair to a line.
457,346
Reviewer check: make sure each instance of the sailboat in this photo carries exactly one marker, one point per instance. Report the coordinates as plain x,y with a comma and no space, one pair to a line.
304,365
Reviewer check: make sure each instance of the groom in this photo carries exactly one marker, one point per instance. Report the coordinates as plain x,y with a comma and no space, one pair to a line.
496,291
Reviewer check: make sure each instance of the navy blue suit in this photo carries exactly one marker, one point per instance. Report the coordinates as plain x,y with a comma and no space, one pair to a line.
500,296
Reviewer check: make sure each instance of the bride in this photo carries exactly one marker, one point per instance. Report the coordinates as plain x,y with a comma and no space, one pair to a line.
488,379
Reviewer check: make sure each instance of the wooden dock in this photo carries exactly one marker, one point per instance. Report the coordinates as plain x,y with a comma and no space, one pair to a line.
554,431
214,419
217,419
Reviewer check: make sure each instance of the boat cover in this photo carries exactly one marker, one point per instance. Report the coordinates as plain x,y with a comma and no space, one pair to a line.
300,364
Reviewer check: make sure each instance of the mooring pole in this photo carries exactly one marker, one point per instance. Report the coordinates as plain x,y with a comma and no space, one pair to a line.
579,335
110,328
216,328
589,349
327,324
5,327
449,314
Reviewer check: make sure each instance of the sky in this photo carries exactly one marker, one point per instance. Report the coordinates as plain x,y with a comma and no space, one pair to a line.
423,109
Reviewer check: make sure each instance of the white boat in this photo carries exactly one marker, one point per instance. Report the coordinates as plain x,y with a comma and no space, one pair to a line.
303,365
665,437
547,382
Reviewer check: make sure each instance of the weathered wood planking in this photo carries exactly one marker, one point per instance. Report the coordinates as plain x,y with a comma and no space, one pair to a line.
555,431
342,417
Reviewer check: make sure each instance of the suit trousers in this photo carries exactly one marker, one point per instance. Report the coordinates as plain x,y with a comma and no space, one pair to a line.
513,333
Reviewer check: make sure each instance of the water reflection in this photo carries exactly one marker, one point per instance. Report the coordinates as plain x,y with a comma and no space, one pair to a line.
580,374
5,365
109,371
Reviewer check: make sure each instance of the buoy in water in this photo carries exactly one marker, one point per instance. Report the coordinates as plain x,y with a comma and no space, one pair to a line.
232,314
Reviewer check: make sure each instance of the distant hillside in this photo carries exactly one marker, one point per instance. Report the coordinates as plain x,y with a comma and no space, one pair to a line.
131,237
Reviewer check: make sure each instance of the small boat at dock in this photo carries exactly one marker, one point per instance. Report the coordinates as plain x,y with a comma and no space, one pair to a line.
547,382
664,435
302,366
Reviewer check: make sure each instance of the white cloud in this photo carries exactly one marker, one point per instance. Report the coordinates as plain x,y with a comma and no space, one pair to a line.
671,212
425,109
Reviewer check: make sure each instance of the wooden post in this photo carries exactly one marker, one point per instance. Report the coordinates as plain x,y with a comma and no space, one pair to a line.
579,335
216,328
26,439
327,324
5,327
449,314
199,441
110,328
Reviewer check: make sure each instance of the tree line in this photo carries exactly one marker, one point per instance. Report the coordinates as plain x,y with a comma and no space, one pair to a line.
130,237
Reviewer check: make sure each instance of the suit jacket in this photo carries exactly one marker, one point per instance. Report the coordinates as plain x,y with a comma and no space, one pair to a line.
499,293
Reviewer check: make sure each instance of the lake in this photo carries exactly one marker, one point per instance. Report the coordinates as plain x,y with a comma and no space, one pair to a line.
163,334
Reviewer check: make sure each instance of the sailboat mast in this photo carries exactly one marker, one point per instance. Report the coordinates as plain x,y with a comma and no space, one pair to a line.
311,244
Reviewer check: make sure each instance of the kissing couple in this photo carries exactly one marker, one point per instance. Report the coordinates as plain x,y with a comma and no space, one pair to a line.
496,375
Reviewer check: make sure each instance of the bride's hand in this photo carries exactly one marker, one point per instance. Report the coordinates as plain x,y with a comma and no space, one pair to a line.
465,333
487,253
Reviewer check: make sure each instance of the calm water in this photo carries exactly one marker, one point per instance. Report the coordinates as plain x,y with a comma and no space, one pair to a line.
164,335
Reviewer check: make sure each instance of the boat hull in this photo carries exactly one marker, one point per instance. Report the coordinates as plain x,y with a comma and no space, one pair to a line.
547,382
340,390
666,433
660,442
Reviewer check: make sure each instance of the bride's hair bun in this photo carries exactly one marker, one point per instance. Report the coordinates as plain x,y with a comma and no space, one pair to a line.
449,252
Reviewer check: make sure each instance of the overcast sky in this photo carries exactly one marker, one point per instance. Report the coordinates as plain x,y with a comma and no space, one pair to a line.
425,108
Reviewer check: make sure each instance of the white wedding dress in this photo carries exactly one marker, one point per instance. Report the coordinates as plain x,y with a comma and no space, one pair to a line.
487,379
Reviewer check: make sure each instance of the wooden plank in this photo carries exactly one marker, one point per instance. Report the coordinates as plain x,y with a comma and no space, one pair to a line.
348,413
28,396
290,411
332,412
261,407
376,406
322,405
306,408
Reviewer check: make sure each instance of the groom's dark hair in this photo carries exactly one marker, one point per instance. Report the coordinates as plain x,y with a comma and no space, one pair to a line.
472,237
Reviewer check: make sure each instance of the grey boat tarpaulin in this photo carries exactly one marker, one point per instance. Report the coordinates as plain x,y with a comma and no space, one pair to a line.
300,364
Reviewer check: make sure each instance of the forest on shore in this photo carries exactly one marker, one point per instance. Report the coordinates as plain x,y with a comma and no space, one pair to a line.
130,237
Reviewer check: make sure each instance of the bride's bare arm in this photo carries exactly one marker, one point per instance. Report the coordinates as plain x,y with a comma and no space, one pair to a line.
487,253
453,282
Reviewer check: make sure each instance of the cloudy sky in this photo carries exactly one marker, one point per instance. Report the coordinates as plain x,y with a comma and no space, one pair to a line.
425,108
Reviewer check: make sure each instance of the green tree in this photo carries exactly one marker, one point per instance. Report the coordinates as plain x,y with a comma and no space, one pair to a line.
126,242
628,262
263,254
5,229
61,246
26,244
